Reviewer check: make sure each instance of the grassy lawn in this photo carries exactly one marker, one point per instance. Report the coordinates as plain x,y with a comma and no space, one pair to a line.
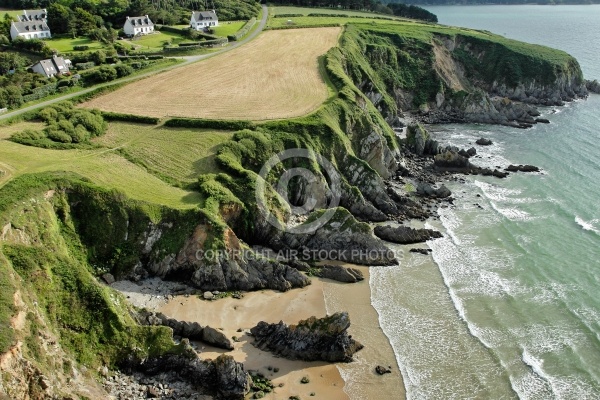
227,28
305,11
154,41
12,13
175,155
66,44
105,167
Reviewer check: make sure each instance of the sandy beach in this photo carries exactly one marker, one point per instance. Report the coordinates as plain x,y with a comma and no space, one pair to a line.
326,380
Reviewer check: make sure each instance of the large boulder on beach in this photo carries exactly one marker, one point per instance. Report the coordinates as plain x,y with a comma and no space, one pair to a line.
340,273
314,339
216,338
405,235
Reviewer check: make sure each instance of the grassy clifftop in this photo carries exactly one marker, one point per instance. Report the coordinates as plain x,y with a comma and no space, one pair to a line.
407,58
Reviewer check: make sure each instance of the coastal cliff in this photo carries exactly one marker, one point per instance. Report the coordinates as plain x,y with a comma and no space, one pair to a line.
60,233
444,74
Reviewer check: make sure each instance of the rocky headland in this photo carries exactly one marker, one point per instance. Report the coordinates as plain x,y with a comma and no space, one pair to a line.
61,233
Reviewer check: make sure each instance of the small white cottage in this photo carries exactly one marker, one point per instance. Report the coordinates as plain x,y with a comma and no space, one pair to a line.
204,20
135,26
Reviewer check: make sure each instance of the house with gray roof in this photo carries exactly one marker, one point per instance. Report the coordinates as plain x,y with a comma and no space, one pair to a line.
35,29
33,15
135,26
52,66
202,20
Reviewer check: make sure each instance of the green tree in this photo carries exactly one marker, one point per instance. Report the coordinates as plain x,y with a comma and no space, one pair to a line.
5,25
85,22
59,18
10,60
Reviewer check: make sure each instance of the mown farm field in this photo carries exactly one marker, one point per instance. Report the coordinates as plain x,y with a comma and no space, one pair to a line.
275,76
146,162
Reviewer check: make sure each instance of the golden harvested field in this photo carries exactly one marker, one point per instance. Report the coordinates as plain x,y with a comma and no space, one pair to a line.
274,76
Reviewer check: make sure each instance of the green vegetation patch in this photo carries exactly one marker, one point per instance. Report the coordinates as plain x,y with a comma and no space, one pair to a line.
65,126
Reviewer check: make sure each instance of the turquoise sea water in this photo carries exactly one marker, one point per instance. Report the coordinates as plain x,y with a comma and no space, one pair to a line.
511,306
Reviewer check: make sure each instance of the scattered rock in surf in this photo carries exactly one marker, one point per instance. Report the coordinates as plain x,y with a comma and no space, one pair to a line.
484,142
420,251
381,370
522,168
542,120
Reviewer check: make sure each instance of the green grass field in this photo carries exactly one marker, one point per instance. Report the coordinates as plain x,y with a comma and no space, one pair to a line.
226,28
155,41
172,154
66,44
175,155
306,10
12,13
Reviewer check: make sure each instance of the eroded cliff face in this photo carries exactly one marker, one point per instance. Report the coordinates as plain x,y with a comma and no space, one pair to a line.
462,77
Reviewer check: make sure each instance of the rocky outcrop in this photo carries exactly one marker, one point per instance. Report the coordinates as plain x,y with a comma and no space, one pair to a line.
233,268
324,339
593,86
405,235
522,168
425,189
224,376
484,142
341,238
190,330
340,273
417,138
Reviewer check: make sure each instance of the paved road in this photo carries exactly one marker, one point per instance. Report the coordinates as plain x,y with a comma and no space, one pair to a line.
187,60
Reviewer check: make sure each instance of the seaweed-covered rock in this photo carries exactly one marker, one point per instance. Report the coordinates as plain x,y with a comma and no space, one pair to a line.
417,138
314,339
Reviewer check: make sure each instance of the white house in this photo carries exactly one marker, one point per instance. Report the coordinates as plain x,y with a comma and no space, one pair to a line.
35,29
52,66
204,19
138,26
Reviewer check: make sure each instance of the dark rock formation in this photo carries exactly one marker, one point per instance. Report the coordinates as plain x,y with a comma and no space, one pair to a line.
341,238
425,189
381,370
451,160
542,120
190,330
522,168
405,235
224,376
417,138
593,86
420,251
230,269
324,339
484,142
340,273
